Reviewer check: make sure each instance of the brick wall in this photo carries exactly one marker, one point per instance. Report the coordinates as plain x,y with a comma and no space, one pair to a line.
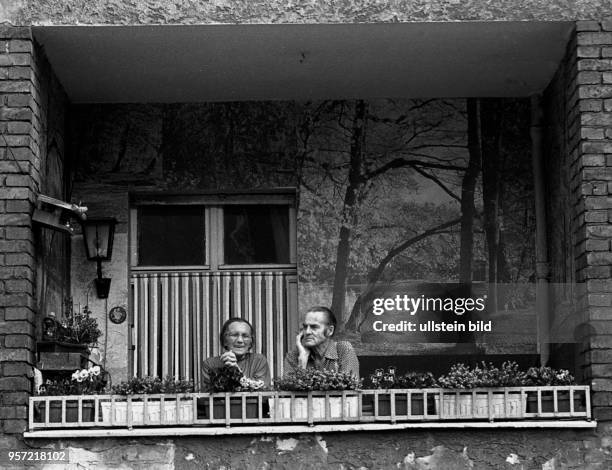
589,132
20,177
25,99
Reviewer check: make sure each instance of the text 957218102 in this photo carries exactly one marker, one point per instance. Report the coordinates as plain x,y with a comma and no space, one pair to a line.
39,455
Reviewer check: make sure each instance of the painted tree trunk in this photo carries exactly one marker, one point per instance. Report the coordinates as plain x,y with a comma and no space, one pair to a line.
491,126
356,182
468,210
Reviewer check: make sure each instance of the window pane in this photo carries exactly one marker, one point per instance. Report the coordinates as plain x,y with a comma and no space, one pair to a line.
256,234
171,236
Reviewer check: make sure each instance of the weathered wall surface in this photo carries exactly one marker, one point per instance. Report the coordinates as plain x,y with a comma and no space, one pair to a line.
302,11
406,450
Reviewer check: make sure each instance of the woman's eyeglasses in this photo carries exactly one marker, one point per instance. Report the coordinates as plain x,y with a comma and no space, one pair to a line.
235,336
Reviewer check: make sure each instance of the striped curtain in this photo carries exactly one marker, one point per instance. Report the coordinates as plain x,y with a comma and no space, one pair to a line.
177,317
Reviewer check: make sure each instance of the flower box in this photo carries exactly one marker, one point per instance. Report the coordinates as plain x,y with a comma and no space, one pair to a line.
548,405
467,405
72,411
235,407
60,347
299,410
417,404
157,413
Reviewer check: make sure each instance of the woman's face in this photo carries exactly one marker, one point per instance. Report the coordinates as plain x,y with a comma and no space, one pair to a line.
238,338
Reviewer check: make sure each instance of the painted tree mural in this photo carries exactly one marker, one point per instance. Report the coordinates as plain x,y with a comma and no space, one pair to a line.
389,190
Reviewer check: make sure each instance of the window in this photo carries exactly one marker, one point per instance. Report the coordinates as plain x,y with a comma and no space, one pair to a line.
256,234
171,236
213,231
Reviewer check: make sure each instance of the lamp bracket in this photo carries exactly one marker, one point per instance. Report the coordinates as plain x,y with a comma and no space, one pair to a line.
53,213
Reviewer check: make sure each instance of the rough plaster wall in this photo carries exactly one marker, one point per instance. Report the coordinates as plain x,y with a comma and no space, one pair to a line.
107,196
301,11
113,345
407,450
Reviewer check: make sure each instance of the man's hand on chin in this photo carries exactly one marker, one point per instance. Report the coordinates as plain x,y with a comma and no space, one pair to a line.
303,352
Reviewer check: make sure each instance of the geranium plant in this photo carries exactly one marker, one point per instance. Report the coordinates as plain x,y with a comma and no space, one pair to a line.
537,376
90,381
225,379
78,327
389,379
484,374
251,385
306,380
152,385
231,379
416,380
508,375
459,376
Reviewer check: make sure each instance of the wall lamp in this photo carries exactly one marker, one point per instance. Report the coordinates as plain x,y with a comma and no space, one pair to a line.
98,236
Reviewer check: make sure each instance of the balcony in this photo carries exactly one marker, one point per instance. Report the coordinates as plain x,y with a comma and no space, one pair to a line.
289,412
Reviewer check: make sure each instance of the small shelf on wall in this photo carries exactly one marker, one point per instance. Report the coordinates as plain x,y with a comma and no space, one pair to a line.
58,357
61,361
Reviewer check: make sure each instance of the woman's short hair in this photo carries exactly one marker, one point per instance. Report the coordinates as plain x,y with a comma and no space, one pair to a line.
331,318
227,324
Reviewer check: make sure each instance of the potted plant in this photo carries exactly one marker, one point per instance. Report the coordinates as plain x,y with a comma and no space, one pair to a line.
545,377
77,330
79,327
498,403
231,380
66,341
160,398
90,381
307,382
389,380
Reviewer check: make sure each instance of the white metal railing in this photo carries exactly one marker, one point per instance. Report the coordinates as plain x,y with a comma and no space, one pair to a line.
278,408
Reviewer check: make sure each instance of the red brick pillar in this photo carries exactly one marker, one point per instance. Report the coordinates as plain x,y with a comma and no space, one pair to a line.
590,114
19,182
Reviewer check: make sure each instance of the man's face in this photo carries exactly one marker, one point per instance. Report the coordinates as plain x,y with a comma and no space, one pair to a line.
316,330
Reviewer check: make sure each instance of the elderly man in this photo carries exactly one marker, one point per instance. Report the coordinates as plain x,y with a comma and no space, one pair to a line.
316,349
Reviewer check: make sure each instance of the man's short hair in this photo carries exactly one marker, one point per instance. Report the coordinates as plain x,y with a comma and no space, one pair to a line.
331,318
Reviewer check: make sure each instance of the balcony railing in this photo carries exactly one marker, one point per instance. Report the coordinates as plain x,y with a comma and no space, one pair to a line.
270,408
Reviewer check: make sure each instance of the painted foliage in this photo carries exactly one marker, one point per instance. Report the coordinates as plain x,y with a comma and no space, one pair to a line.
389,191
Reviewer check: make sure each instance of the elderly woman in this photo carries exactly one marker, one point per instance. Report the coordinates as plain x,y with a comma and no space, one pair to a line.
237,341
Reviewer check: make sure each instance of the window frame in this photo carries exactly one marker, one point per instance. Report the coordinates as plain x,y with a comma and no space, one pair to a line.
213,203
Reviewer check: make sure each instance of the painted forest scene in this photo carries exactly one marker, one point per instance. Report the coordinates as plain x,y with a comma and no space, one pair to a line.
393,196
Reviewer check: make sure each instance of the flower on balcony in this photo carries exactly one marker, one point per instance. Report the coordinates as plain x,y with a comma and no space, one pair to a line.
152,385
78,327
226,379
251,385
90,381
390,379
459,376
306,380
538,376
484,374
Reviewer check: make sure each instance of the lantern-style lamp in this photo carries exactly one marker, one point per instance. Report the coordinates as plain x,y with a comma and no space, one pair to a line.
98,237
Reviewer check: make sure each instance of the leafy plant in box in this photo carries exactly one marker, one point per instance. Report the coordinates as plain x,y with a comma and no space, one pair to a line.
307,380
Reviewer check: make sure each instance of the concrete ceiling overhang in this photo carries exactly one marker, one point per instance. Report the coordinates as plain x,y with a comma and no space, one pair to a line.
299,62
